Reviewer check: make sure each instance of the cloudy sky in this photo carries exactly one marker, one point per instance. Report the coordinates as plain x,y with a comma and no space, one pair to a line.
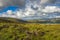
30,9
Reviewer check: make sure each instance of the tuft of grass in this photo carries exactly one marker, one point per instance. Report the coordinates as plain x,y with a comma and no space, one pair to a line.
29,31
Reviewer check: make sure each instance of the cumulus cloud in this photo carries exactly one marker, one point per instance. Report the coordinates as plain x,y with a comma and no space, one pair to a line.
51,9
18,14
9,13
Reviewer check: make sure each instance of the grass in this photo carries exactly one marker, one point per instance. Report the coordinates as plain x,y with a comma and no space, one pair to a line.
29,31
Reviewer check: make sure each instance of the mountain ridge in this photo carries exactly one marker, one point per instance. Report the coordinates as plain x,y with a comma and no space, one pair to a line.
15,20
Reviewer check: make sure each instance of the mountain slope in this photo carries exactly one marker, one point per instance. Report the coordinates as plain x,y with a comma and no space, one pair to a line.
7,19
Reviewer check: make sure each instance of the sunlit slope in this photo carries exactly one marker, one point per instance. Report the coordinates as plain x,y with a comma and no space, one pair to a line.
13,20
28,31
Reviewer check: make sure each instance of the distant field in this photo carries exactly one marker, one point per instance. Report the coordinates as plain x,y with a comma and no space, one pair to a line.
29,31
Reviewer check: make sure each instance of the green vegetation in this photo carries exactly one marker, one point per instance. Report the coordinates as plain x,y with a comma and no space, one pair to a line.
28,31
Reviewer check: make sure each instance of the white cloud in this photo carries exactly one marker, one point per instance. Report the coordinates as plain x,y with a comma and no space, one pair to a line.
51,9
9,12
57,17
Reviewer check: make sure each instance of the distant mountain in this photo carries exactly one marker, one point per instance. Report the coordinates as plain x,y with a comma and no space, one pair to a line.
47,20
14,20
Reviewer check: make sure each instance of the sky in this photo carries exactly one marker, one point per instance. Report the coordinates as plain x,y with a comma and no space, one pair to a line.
30,9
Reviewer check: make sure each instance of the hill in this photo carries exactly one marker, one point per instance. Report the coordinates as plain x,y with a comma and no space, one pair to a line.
13,20
12,29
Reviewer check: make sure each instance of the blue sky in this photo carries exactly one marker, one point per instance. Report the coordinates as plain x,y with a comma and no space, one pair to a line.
13,8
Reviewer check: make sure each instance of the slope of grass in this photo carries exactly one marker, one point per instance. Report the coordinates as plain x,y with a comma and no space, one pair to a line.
29,31
13,29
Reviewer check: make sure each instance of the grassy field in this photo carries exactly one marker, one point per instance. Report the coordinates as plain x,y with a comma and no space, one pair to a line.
29,31
15,29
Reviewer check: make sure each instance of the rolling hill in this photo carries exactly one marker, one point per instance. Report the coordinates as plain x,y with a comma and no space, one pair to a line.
17,29
13,20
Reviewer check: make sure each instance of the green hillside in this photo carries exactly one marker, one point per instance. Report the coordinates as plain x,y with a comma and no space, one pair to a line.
13,29
11,20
